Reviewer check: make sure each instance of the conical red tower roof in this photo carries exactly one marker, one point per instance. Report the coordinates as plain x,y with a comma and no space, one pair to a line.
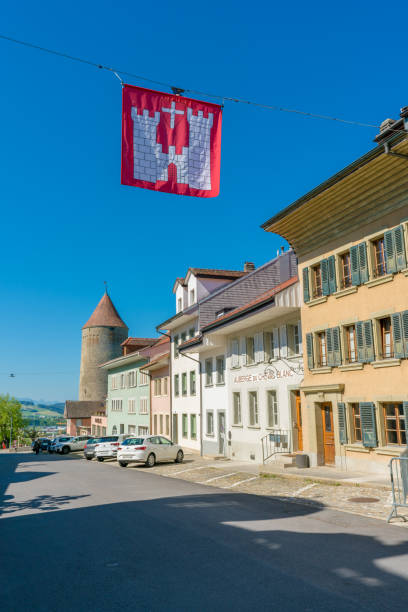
105,315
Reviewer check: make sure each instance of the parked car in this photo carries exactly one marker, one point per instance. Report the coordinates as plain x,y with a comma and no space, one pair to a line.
149,450
73,444
109,447
56,442
89,448
45,444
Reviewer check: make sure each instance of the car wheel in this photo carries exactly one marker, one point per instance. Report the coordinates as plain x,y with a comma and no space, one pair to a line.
100,458
65,450
123,463
89,458
180,457
151,460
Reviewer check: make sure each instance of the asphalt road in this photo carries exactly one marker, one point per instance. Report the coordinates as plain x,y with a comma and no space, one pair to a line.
80,535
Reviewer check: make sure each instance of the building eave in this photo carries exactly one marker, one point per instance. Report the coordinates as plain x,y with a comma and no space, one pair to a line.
123,360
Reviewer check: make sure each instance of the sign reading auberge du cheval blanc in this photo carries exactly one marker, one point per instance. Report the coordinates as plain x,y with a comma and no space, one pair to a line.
170,143
251,378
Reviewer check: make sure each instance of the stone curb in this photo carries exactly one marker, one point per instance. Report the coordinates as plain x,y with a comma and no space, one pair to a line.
327,481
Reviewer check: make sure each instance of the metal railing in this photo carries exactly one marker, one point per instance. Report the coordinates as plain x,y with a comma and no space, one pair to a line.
275,442
399,485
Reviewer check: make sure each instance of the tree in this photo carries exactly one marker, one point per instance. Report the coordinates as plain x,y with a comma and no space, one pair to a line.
10,416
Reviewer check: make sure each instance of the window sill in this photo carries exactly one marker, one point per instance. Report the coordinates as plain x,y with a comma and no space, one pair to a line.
358,448
386,363
351,366
251,365
273,428
390,450
208,386
253,427
379,281
235,367
220,384
347,291
325,370
237,426
316,301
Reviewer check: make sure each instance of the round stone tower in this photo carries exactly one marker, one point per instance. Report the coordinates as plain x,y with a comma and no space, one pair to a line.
102,336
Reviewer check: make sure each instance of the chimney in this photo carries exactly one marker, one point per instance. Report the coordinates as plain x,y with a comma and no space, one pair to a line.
249,266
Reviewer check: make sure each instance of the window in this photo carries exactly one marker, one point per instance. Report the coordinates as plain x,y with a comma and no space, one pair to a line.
253,409
157,386
356,422
236,404
165,385
184,383
235,353
380,266
155,424
132,429
272,404
122,428
144,405
220,370
131,406
191,333
176,385
167,425
132,378
351,348
114,382
208,372
385,338
317,281
161,423
116,405
143,431
394,424
250,350
210,423
192,382
122,381
193,426
175,345
179,304
144,378
345,270
114,430
184,426
322,349
183,337
192,296
293,340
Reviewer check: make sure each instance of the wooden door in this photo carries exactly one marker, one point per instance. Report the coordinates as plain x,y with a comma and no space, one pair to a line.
299,424
328,433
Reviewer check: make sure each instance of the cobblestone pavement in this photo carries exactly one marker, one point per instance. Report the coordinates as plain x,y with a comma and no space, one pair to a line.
356,499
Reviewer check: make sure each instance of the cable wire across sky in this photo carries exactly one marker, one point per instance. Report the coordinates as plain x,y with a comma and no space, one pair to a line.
117,71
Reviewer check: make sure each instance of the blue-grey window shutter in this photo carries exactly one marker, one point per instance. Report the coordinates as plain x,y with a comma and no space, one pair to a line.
324,269
360,342
336,346
368,341
306,292
398,341
331,262
329,345
389,248
400,254
405,406
368,424
404,320
355,266
341,408
363,263
309,349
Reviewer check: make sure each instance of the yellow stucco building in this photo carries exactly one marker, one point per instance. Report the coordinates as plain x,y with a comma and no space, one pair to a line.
350,235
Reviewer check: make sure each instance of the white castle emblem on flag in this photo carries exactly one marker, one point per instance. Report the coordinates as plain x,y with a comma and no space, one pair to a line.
151,164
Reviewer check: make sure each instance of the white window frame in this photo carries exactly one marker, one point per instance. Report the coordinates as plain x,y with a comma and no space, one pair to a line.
209,372
250,358
237,394
144,378
235,353
143,430
116,405
210,431
253,411
132,405
144,405
274,413
220,373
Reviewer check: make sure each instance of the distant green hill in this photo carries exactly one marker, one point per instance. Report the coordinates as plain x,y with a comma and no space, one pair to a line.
46,414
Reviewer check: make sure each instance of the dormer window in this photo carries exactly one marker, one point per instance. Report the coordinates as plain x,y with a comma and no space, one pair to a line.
192,296
179,304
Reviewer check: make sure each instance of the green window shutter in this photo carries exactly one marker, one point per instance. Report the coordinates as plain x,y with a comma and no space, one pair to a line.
309,350
368,341
355,266
397,338
360,342
404,319
336,346
324,270
400,256
329,346
341,408
368,424
363,263
389,248
306,292
332,274
405,406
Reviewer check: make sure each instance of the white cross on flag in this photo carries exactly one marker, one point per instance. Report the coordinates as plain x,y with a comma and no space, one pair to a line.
170,143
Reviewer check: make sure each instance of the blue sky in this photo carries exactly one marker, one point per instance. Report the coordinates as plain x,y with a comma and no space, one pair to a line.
68,224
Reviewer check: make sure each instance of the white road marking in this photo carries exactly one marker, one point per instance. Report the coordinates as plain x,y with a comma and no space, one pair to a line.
309,486
218,477
189,470
240,482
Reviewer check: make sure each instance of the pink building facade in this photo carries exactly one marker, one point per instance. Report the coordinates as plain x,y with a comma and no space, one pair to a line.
158,369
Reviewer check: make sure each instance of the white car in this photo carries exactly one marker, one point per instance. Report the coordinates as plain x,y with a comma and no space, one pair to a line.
58,442
148,450
109,447
72,444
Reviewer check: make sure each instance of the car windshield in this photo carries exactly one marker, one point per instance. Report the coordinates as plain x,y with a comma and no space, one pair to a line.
132,441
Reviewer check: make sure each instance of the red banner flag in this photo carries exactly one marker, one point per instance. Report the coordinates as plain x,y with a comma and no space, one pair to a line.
170,143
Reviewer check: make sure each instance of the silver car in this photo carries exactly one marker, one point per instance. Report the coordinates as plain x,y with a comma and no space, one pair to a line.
148,450
108,447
